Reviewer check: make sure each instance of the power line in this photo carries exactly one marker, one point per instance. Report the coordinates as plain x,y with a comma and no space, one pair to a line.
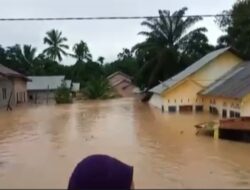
100,18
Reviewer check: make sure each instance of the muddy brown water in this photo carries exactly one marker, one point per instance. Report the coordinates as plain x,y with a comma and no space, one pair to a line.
40,145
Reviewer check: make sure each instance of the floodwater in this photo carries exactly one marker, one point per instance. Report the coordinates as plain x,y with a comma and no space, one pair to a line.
40,145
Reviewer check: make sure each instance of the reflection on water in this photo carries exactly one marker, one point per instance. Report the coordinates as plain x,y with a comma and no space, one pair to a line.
39,146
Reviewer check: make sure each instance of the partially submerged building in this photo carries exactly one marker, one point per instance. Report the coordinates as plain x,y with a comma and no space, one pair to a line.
218,82
13,87
42,88
230,95
122,84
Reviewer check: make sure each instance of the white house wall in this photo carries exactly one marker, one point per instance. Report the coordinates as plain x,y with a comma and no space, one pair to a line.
156,101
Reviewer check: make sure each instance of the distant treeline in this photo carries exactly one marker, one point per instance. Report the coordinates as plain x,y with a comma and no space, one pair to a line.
169,47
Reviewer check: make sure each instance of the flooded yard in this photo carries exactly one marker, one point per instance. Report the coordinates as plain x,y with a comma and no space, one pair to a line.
40,145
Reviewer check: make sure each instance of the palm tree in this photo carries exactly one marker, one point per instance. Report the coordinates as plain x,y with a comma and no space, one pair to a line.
126,53
101,60
56,45
28,54
167,44
81,52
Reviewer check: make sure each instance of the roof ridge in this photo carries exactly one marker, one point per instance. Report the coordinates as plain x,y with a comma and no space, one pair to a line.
197,65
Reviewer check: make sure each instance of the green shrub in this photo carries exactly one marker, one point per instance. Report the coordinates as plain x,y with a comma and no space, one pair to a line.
97,89
63,95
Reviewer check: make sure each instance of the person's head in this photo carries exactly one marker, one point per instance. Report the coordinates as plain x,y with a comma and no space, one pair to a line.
101,172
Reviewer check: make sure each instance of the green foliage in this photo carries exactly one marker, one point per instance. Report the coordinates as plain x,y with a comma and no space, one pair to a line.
124,63
98,88
56,45
168,47
63,95
236,24
81,52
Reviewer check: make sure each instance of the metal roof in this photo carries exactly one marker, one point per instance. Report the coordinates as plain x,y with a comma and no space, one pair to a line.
75,86
234,84
189,70
119,73
44,82
68,83
7,72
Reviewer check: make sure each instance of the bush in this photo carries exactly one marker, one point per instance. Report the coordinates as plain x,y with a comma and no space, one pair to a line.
97,89
63,95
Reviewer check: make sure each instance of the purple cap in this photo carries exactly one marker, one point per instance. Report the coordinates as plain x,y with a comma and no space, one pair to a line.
101,172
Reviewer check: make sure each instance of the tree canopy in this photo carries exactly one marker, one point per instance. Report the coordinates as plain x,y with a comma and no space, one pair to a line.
236,24
56,47
171,44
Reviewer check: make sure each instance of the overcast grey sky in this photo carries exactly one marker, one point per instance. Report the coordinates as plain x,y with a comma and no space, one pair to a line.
104,37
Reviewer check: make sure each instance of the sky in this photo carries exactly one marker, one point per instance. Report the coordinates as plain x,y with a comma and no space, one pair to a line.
104,37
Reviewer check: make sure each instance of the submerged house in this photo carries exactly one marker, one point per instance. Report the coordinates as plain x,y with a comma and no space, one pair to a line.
13,87
230,95
218,83
42,88
122,84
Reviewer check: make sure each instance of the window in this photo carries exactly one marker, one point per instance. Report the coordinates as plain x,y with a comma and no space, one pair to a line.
224,113
186,108
162,108
213,110
4,92
232,114
237,114
198,108
172,109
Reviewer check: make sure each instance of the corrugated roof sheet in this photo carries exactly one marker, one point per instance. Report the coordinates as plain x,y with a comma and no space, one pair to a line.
75,86
119,73
68,83
7,72
235,84
44,82
188,71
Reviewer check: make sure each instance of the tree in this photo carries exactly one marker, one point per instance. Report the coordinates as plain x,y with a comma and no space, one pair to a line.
63,95
81,52
3,54
126,53
97,88
126,63
167,46
56,45
236,24
101,60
